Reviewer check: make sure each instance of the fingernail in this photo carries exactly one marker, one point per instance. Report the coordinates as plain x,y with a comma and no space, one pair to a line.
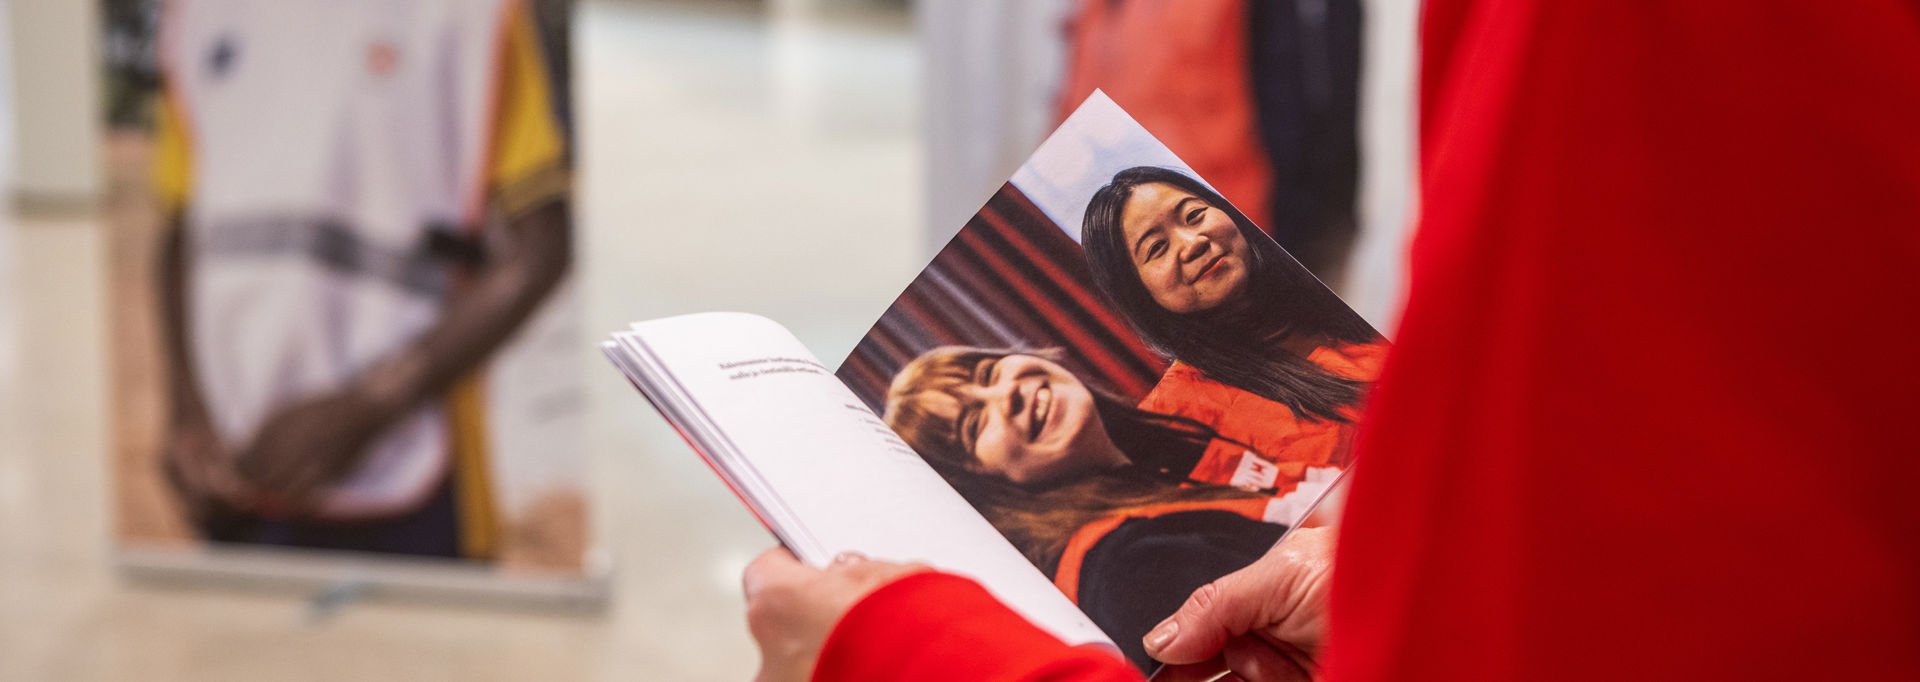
849,558
1162,635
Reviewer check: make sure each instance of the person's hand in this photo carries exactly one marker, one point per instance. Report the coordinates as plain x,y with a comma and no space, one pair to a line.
307,445
1268,620
198,467
792,607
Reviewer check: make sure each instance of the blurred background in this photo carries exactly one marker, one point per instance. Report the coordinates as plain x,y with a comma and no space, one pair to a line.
799,159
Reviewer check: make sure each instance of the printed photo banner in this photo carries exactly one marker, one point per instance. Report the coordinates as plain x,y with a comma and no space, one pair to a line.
309,362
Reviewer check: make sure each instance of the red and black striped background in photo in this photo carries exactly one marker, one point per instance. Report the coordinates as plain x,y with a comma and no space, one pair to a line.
1012,280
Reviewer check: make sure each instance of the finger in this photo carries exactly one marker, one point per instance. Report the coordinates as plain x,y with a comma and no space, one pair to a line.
295,486
259,468
252,466
301,502
190,492
1208,671
197,477
301,487
1218,611
857,568
1256,660
272,460
772,566
179,474
221,482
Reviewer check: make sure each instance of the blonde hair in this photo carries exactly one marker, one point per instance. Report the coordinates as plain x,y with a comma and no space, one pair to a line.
1038,520
934,377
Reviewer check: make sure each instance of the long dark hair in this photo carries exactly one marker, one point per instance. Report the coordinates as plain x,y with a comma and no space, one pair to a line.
1040,519
1241,346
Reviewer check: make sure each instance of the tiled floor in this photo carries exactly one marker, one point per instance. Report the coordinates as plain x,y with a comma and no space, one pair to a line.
730,160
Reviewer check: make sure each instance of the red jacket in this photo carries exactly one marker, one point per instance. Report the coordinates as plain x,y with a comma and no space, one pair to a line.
1626,430
934,626
1271,428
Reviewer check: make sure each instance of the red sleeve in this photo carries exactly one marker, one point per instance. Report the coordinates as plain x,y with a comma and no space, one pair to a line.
1634,424
936,626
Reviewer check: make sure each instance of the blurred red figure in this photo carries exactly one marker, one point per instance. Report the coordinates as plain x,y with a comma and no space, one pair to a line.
1260,96
1625,431
1632,425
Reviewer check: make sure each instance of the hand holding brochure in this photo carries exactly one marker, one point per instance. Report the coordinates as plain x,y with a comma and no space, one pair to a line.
1109,389
818,467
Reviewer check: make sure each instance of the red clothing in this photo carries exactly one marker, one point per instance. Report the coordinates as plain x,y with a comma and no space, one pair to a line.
1180,69
1269,427
1622,433
934,626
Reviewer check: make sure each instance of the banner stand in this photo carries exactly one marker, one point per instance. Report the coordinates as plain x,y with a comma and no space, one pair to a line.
335,578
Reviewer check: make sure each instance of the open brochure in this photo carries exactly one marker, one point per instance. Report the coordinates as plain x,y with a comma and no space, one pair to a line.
1108,390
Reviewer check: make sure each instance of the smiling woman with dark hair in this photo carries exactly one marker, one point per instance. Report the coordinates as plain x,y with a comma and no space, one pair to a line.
1257,341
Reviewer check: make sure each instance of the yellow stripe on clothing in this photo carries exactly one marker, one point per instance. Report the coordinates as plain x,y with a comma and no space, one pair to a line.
171,170
528,146
479,520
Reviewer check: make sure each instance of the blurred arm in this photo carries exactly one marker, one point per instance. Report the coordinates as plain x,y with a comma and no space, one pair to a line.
317,441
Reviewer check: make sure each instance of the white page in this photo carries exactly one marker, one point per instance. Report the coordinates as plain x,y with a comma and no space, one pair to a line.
839,473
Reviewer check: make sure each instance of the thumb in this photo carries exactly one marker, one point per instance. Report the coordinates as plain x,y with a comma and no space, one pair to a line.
1217,612
772,566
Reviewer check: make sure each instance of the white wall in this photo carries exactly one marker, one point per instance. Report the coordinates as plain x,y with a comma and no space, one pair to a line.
56,119
992,69
1376,277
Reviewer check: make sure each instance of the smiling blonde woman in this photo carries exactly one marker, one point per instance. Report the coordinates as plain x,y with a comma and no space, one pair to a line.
1090,488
